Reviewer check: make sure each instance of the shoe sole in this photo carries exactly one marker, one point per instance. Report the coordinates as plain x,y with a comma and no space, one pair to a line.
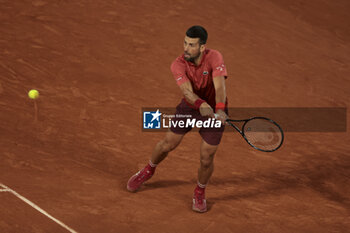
198,210
194,208
131,190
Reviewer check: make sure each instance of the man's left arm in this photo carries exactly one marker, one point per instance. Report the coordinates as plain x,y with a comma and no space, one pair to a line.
220,97
219,75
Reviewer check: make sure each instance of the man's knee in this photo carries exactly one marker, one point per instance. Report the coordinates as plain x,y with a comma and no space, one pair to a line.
170,142
167,146
207,154
207,161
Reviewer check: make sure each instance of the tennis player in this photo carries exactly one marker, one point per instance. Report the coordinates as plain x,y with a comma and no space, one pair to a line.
200,73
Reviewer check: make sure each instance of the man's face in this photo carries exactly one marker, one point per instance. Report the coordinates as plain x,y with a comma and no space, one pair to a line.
192,48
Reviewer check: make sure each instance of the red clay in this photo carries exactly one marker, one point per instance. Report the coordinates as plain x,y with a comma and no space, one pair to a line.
97,63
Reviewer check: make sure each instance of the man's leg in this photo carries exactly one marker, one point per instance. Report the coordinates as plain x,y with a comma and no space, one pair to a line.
206,168
205,171
160,152
169,143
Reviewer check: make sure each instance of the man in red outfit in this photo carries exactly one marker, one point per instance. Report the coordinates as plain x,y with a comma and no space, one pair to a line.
200,73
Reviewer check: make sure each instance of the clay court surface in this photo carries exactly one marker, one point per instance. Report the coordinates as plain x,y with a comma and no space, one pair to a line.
98,63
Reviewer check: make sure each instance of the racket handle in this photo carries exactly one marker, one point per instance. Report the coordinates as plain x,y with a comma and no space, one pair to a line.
216,116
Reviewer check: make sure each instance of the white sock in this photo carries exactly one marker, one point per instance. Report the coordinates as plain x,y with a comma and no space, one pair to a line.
201,185
152,164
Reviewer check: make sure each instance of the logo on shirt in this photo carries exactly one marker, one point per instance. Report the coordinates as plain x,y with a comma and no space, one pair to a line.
205,73
151,120
179,78
221,68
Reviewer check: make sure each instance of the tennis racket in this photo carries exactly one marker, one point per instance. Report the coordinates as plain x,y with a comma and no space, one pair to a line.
261,133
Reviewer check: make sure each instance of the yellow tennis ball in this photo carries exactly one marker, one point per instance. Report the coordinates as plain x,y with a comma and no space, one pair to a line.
33,94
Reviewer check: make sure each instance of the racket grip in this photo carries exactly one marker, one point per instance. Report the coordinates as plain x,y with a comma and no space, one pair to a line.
216,116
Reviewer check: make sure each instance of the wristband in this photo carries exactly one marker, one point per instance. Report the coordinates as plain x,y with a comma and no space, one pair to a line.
198,103
219,106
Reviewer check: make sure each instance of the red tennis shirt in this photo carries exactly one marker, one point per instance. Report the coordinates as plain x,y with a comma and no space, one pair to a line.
201,76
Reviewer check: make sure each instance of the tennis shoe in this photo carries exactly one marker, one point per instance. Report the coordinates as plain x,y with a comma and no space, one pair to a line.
139,178
199,202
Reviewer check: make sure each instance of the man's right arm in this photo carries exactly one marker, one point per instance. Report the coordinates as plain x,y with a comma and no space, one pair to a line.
192,98
187,91
179,73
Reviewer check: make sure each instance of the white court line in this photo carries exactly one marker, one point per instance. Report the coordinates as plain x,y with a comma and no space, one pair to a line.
7,189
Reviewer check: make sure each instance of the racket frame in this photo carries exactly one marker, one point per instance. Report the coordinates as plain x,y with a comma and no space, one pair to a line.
229,121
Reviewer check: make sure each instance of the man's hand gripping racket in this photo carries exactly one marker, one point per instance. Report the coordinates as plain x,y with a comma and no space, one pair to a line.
261,133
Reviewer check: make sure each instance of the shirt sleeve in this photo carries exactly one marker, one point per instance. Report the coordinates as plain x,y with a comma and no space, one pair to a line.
218,65
179,72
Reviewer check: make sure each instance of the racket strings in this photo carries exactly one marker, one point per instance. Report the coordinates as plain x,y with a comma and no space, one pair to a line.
263,134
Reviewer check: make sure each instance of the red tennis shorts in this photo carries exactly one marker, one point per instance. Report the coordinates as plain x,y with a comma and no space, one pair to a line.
211,135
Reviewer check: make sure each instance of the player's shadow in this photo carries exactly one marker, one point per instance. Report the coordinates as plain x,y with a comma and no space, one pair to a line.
276,182
163,184
258,184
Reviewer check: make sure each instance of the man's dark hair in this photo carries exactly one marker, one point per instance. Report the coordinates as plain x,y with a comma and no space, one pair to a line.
198,32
